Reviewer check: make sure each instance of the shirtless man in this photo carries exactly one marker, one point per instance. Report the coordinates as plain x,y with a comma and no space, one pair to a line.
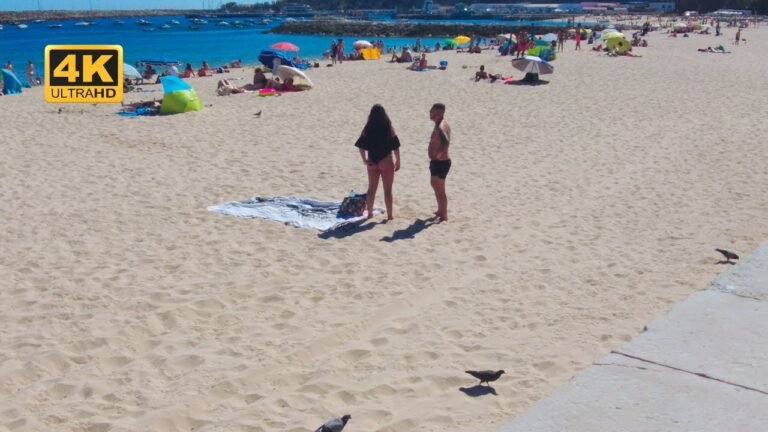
439,161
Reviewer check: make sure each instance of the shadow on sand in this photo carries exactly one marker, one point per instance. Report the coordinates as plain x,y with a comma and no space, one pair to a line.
523,82
410,232
478,390
349,230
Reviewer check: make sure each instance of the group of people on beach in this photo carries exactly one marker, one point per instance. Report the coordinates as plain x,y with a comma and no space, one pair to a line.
32,78
379,148
260,82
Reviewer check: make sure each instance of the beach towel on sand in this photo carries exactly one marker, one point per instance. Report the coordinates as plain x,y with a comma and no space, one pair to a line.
299,212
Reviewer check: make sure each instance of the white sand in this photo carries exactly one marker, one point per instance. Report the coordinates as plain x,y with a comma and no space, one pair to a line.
579,211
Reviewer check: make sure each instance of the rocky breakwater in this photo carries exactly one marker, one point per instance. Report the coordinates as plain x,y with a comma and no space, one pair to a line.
406,29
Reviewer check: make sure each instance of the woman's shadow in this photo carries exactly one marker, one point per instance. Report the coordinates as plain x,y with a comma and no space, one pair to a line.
349,229
410,231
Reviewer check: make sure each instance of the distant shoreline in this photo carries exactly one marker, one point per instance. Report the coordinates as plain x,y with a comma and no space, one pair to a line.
7,17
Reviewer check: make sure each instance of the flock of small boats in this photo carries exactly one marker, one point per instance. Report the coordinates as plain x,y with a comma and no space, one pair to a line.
149,26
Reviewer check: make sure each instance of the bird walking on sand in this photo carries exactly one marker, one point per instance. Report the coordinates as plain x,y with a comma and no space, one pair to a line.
486,376
728,255
258,114
334,425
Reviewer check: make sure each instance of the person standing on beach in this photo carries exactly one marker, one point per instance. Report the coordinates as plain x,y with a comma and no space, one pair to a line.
578,38
30,73
9,66
377,143
738,36
439,160
334,48
560,40
340,50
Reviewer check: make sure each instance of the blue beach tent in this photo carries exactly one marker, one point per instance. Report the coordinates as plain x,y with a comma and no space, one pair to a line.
11,84
267,58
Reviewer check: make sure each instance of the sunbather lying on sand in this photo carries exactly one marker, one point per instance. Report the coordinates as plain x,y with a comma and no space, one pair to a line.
225,88
154,103
717,50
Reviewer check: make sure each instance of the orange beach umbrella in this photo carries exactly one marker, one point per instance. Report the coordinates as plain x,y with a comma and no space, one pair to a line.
284,46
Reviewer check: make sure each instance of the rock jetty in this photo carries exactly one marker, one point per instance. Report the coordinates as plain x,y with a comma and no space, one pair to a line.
386,29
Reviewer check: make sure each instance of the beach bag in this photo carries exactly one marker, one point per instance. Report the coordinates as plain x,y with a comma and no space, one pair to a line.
353,205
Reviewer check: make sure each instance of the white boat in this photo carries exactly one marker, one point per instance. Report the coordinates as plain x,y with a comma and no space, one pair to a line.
118,22
1,26
174,22
165,26
22,26
55,25
222,23
198,21
82,24
38,21
143,22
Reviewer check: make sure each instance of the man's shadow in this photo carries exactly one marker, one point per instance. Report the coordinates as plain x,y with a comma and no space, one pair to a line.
478,390
349,229
523,82
726,262
410,232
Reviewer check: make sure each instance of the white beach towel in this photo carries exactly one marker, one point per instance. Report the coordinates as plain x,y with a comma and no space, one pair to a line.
299,212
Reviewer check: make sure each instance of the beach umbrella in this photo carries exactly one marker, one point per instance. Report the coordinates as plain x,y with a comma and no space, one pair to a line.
611,35
462,39
508,36
549,37
284,46
300,79
449,42
130,71
361,44
531,64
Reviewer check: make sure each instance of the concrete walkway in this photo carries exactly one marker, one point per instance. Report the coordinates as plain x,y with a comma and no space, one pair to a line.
702,367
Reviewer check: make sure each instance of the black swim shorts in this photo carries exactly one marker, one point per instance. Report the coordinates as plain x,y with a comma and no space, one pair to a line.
439,168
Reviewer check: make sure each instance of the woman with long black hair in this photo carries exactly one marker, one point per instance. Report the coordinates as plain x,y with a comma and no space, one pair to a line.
377,143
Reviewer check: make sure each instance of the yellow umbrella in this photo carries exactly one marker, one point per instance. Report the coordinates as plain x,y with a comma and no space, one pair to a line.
462,39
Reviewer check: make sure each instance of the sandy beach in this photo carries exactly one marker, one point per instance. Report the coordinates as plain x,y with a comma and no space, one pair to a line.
579,211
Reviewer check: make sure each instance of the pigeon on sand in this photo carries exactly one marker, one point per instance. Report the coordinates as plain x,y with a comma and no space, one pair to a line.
486,376
728,255
334,425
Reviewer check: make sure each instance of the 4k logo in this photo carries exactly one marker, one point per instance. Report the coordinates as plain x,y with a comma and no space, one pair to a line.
83,73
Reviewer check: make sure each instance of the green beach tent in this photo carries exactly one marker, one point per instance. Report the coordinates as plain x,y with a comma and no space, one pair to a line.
179,96
622,44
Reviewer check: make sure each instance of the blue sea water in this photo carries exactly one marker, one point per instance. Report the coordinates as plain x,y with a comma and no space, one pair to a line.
213,43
